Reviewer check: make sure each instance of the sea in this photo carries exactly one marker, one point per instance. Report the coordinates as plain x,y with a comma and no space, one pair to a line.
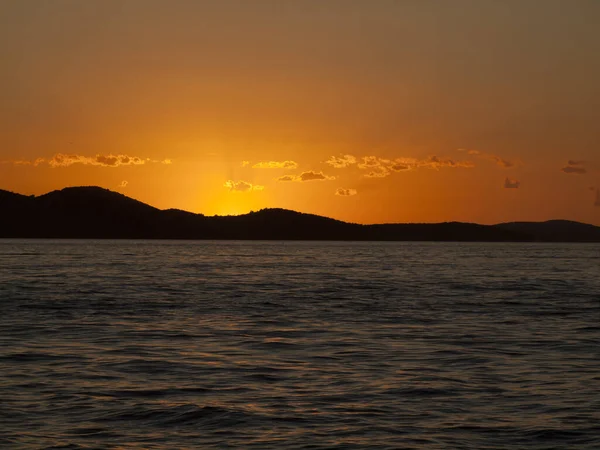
299,345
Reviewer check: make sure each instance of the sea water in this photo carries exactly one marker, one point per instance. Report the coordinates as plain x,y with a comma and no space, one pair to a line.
270,345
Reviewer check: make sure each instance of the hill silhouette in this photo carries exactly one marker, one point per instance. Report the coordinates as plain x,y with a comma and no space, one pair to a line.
93,212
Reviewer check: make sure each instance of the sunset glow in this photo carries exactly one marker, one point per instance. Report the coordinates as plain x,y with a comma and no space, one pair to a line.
363,111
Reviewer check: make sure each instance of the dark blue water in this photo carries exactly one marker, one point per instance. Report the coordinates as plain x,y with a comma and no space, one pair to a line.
164,345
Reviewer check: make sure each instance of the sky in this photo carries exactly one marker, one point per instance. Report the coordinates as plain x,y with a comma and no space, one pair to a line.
366,111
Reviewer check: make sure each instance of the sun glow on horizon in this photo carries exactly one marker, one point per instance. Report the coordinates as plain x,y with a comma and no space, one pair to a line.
194,106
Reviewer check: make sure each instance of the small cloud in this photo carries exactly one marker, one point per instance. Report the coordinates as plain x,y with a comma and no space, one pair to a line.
498,160
434,162
166,161
503,162
114,160
275,165
377,167
242,186
511,183
372,161
123,184
312,176
379,172
287,178
399,167
346,192
574,170
340,162
306,176
245,163
575,167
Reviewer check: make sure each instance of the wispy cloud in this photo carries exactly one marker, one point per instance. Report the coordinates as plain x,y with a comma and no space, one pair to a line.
69,159
345,192
575,167
306,176
24,162
275,165
242,186
511,183
498,160
123,184
340,162
245,163
382,167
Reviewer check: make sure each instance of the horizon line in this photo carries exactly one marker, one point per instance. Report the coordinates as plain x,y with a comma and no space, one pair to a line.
296,212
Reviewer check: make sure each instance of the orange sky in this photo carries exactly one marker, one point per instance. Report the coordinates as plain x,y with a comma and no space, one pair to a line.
387,111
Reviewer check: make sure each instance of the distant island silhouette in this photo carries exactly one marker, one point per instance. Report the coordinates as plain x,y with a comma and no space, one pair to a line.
94,212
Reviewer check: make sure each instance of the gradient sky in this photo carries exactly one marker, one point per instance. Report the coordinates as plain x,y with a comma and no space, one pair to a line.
366,111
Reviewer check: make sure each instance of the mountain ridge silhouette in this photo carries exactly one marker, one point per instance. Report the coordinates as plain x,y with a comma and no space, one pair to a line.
91,212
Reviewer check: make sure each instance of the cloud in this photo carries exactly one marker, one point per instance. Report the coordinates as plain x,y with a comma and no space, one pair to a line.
498,160
340,162
69,159
287,178
434,162
65,160
381,167
123,184
377,167
25,162
399,167
574,170
346,192
306,176
511,183
368,162
378,172
245,163
275,165
242,186
575,167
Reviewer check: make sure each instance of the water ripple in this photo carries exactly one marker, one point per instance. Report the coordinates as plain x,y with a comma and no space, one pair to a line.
131,344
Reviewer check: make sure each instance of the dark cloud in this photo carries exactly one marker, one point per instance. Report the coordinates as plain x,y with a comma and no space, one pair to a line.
575,167
574,170
511,183
399,167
